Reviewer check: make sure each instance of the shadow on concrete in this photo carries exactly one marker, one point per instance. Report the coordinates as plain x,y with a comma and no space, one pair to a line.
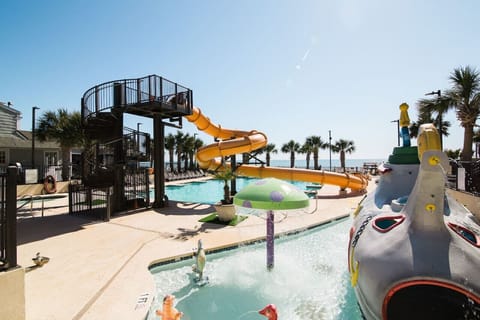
185,208
186,233
39,228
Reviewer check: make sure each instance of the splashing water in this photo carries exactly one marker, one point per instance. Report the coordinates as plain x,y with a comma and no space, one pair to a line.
309,280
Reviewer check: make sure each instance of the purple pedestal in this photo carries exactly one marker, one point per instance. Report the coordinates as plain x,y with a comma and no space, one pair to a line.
270,239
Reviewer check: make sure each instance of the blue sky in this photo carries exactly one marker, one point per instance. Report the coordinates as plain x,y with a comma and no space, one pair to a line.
288,68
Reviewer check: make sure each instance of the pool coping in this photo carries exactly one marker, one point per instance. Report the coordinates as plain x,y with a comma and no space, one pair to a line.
262,239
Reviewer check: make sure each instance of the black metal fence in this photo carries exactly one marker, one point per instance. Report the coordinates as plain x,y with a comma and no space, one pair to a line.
8,219
466,176
137,189
89,201
96,202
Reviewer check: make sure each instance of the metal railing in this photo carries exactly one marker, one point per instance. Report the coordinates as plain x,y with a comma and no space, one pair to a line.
122,93
8,219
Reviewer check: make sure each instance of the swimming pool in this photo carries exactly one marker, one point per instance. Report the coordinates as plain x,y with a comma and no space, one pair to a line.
309,281
209,191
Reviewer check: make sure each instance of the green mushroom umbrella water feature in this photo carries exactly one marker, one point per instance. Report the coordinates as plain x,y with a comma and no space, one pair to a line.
271,194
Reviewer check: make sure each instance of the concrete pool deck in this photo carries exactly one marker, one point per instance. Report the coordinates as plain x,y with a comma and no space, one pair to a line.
99,270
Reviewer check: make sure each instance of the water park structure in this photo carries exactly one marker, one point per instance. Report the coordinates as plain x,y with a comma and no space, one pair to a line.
413,249
167,103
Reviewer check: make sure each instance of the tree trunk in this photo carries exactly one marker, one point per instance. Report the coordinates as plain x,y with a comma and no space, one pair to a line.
65,163
191,156
267,159
467,151
170,157
226,193
315,159
308,160
342,160
292,159
179,162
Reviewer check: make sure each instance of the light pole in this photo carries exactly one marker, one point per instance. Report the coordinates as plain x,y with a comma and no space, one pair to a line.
440,120
330,147
138,136
398,131
33,136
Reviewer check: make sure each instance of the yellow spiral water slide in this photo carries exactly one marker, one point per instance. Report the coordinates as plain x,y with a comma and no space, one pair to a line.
238,141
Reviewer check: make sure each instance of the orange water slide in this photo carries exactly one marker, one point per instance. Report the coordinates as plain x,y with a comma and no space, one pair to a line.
238,141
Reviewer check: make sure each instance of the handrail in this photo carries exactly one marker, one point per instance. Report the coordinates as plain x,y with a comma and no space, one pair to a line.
129,92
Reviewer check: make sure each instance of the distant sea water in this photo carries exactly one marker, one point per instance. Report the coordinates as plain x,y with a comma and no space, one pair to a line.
325,163
302,163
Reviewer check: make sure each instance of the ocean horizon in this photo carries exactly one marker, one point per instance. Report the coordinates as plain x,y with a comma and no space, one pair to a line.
302,163
325,163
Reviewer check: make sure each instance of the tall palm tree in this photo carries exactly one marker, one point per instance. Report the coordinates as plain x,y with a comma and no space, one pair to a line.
424,116
269,149
198,143
179,141
439,106
453,154
317,143
188,150
307,149
465,97
343,146
66,129
291,147
170,146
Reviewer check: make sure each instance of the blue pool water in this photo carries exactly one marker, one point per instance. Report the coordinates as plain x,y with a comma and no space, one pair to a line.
308,282
210,191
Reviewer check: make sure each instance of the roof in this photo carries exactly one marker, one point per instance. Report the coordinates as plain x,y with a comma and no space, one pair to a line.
23,139
7,107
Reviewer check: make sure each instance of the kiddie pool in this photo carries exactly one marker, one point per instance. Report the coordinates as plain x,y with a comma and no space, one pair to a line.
309,281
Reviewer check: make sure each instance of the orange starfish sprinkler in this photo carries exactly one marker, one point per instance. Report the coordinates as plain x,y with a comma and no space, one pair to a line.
169,312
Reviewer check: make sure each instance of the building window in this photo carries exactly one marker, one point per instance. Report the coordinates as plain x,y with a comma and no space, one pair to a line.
51,158
3,158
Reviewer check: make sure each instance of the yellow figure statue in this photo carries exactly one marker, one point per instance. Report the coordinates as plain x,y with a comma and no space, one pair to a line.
404,123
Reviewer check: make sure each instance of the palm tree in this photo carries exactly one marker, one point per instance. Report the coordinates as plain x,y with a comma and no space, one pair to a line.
343,146
170,146
66,129
179,141
424,116
453,154
291,147
307,149
438,106
269,149
465,97
198,143
317,143
225,175
188,150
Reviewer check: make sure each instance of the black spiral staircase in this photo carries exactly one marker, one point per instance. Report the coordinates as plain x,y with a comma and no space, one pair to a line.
102,110
152,96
